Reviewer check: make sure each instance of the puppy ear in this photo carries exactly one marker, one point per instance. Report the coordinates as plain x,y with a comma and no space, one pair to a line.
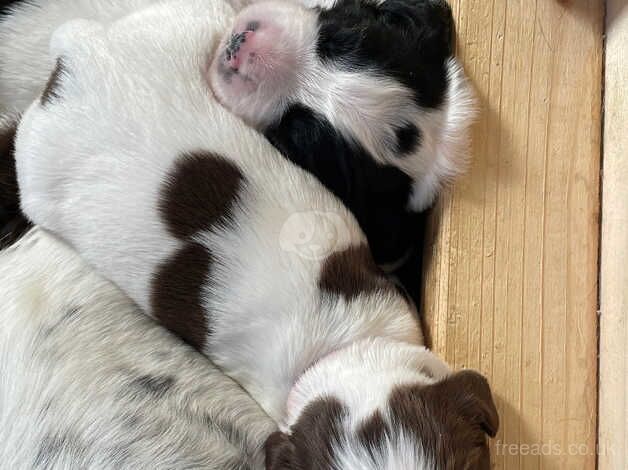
280,452
476,400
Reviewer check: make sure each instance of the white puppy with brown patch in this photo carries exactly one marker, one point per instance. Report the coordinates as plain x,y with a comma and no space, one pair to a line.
366,95
129,157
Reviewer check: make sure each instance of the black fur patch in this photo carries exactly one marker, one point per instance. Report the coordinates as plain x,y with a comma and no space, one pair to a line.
13,224
409,40
408,139
376,194
6,6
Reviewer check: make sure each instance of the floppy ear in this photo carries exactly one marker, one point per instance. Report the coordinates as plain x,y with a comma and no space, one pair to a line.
476,400
280,452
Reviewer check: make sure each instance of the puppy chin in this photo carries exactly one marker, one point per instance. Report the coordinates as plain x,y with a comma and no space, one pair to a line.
362,376
258,62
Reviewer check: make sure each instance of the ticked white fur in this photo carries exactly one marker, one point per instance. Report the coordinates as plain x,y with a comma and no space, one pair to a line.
74,353
92,164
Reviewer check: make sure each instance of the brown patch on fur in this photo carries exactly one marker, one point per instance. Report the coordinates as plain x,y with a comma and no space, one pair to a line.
352,272
13,224
176,294
201,192
51,92
310,446
450,418
373,430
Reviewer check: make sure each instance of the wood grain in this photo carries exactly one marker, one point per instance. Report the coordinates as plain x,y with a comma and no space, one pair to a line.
512,258
613,429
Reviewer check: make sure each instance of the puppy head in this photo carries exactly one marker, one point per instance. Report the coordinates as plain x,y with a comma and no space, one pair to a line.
382,405
381,73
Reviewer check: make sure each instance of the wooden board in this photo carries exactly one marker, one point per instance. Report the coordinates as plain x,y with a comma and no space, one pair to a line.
512,261
613,431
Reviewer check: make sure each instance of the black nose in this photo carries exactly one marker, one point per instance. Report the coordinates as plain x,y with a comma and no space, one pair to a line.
235,41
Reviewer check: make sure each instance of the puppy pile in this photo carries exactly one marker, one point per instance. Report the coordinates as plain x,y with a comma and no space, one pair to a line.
367,97
134,153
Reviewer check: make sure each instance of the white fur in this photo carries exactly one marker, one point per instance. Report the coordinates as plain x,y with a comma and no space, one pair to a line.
92,164
341,375
397,452
72,349
112,133
25,41
364,106
448,141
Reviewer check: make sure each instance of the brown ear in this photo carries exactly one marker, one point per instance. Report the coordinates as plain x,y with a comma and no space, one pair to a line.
477,400
280,452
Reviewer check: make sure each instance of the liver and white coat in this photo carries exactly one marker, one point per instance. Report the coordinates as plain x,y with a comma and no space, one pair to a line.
130,158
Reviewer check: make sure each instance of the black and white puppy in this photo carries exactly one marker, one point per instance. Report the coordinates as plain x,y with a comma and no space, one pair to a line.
364,94
129,157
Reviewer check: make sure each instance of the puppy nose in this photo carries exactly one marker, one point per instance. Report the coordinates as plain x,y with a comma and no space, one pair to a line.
235,41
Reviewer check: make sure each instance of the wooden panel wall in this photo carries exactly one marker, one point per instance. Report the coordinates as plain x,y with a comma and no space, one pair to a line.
614,255
512,261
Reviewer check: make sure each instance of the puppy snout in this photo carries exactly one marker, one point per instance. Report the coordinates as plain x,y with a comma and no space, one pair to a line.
235,42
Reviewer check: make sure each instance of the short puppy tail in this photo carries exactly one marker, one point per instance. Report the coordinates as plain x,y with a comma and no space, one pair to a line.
13,224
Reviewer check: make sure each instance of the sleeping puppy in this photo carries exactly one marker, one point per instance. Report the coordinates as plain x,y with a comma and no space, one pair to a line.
366,95
129,157
87,381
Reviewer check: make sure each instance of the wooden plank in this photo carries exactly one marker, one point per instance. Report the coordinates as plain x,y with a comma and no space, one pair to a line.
511,263
613,436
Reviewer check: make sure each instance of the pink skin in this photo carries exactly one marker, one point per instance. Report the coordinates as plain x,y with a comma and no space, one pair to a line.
256,61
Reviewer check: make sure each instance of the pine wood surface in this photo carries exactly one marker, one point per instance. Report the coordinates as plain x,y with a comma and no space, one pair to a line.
512,256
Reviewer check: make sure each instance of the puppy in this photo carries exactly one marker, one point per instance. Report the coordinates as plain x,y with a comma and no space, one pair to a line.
129,157
366,95
87,381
